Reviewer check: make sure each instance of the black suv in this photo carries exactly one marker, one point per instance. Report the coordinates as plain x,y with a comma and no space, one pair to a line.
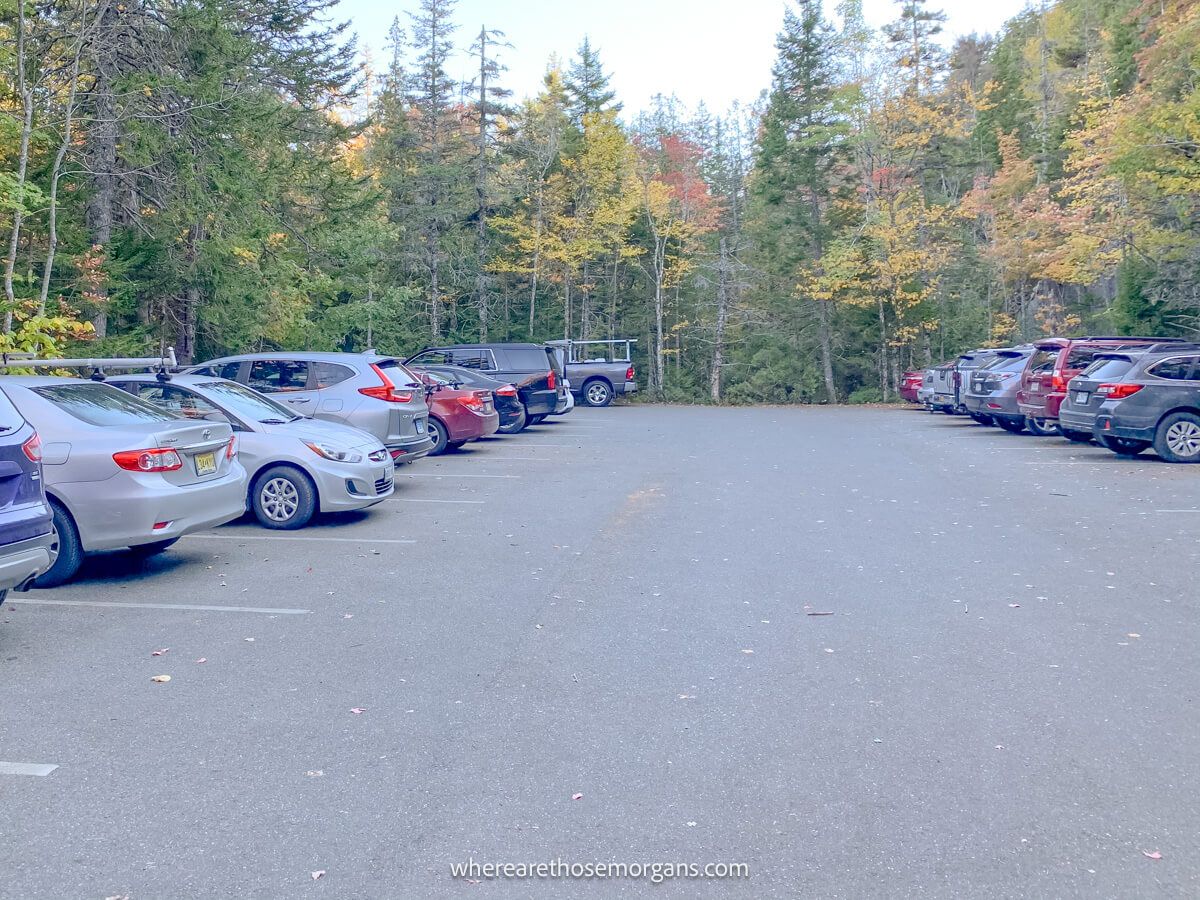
25,518
1149,399
532,368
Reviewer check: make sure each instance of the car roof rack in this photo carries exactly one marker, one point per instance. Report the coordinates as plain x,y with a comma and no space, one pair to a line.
161,365
1171,346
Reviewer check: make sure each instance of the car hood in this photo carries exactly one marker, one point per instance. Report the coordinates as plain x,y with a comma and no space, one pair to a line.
320,430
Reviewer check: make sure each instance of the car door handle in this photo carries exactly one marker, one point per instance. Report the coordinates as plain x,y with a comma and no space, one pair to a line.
300,400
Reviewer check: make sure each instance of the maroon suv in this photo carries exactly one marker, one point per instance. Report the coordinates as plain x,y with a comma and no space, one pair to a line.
1053,363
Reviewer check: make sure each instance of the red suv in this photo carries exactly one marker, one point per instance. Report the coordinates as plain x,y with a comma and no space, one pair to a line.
909,385
457,415
1052,364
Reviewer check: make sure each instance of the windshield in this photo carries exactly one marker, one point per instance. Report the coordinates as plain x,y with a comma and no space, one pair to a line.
247,404
101,404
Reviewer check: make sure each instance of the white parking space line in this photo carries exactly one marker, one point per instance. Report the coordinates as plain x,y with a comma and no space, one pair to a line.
288,537
492,458
455,475
538,446
1178,510
39,769
419,500
190,607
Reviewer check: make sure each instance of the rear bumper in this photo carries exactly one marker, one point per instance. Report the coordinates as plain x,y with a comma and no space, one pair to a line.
1135,429
21,562
1048,409
122,511
540,403
630,387
410,448
1076,420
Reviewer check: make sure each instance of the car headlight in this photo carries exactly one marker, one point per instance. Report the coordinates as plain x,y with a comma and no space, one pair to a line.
333,452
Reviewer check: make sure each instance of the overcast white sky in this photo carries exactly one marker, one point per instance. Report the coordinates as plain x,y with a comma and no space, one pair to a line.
712,50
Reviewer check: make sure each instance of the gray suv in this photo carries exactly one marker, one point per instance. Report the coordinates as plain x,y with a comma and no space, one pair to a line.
371,392
1145,400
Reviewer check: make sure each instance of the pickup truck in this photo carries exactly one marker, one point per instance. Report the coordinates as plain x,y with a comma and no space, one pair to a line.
598,370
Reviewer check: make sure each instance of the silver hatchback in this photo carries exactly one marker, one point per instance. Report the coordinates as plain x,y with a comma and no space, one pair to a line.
370,392
296,466
120,472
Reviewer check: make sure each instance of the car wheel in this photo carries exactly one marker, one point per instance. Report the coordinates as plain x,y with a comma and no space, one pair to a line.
3,595
455,445
1178,438
1039,427
154,547
1077,437
1013,426
515,426
66,553
441,438
536,420
982,420
1123,446
597,393
283,498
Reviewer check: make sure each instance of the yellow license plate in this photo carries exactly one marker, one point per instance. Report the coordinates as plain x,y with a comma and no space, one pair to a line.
206,463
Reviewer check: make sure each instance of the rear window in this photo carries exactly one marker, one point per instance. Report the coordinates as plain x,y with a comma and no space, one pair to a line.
399,375
10,419
224,370
1108,369
1006,364
101,404
1043,361
529,359
1079,359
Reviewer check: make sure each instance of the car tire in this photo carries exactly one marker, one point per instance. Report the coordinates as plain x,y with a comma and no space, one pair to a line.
1076,437
66,552
455,445
515,427
1039,428
982,420
1123,446
154,547
536,420
441,438
1177,439
283,498
1012,426
3,596
597,393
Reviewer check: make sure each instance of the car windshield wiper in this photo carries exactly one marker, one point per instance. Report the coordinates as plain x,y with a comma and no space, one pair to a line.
4,428
277,421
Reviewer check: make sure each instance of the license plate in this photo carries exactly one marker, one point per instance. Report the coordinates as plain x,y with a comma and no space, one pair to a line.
420,425
206,463
1082,396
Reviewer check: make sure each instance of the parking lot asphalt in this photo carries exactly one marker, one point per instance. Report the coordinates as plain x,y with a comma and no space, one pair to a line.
865,652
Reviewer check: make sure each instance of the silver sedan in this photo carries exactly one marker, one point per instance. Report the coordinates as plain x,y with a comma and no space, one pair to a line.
296,465
120,472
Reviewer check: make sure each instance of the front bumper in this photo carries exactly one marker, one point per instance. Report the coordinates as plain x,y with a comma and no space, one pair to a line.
23,561
122,511
343,486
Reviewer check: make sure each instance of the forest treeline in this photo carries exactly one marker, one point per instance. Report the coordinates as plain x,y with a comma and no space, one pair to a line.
228,175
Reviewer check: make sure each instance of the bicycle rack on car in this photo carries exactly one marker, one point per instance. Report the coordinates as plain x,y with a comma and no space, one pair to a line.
160,365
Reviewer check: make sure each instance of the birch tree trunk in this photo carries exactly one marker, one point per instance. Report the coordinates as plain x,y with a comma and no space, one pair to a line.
718,363
25,92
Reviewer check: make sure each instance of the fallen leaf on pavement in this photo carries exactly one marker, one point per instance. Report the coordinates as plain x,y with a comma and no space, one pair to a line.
202,659
161,679
1151,854
819,614
359,710
1014,606
317,874
251,640
160,652
315,773
747,651
577,796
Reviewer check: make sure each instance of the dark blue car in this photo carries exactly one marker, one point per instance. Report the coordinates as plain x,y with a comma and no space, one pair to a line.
25,530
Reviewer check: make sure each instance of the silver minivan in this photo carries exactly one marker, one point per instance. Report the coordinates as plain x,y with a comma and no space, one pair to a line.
374,393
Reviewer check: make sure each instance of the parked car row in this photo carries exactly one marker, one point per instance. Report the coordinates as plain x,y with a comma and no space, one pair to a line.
138,459
1127,394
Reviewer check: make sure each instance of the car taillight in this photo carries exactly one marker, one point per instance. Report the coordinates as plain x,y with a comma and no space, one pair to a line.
1058,382
231,447
1118,391
629,374
387,390
507,391
33,448
472,401
158,459
550,380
